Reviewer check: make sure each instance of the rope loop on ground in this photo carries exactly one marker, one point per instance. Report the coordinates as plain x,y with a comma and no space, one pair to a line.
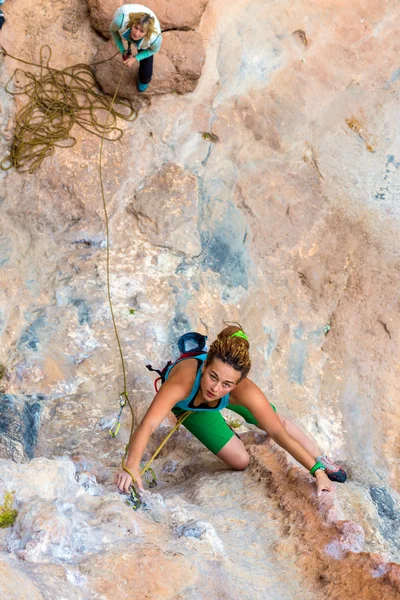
57,100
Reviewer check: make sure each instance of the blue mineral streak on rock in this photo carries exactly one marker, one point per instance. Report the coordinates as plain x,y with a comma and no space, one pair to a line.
19,420
270,337
83,310
6,404
391,160
192,529
226,254
29,339
384,502
389,511
31,420
394,77
297,356
181,322
5,250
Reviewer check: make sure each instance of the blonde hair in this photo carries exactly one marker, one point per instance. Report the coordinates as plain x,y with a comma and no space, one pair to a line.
234,351
145,21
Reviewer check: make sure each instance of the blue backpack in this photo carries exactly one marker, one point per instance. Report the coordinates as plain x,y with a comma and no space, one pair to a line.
189,344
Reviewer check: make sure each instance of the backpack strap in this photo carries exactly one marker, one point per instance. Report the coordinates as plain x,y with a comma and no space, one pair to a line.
150,368
161,374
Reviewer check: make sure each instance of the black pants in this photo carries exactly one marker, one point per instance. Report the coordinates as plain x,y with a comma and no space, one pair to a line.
146,69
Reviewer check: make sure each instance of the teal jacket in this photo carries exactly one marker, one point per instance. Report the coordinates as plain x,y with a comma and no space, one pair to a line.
119,33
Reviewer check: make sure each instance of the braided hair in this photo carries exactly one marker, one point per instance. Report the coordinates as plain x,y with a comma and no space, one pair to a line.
232,348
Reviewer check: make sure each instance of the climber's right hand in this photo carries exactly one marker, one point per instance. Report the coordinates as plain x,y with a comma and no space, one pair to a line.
123,480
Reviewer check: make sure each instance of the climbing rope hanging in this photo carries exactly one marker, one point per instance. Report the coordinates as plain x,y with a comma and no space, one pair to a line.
57,100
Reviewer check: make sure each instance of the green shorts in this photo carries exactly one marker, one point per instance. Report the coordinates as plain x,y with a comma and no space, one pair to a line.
211,428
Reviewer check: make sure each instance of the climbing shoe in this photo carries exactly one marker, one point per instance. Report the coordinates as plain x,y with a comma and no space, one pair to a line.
142,86
334,471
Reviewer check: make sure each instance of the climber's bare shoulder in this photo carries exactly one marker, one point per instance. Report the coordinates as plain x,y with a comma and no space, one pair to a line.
246,393
181,378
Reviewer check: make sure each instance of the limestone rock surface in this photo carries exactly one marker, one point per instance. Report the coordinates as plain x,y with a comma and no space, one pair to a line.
166,209
294,217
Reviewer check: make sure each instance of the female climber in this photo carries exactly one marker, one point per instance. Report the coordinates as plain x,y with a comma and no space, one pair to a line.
209,382
139,27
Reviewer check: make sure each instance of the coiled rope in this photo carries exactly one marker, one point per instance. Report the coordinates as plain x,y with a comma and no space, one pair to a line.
57,100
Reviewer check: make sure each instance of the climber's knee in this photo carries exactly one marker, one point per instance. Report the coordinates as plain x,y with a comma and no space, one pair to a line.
234,454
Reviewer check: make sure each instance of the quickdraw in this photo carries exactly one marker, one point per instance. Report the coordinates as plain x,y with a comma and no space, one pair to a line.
123,397
134,500
150,477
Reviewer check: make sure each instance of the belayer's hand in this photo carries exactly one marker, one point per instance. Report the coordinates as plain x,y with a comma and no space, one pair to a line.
129,61
323,483
123,480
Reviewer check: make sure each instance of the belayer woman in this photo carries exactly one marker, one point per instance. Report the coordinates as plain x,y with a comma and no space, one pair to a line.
209,382
138,26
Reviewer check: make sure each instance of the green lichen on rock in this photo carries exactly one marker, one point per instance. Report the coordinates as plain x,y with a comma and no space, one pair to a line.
8,514
234,424
2,371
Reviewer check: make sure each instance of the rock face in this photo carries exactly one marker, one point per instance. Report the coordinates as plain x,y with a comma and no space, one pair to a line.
77,538
166,208
289,224
101,14
19,425
177,67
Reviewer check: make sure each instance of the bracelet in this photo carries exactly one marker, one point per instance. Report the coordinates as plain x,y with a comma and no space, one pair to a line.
318,465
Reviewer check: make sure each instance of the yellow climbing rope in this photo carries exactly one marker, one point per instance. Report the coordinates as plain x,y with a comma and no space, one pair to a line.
160,447
57,100
124,397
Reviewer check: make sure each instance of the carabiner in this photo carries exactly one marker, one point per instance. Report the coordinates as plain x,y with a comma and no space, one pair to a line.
150,478
133,501
122,399
115,428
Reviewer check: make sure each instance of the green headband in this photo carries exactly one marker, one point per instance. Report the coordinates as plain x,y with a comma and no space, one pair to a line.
240,334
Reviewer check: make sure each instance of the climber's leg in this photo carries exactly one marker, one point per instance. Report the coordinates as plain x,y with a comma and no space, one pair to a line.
145,73
212,431
333,470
